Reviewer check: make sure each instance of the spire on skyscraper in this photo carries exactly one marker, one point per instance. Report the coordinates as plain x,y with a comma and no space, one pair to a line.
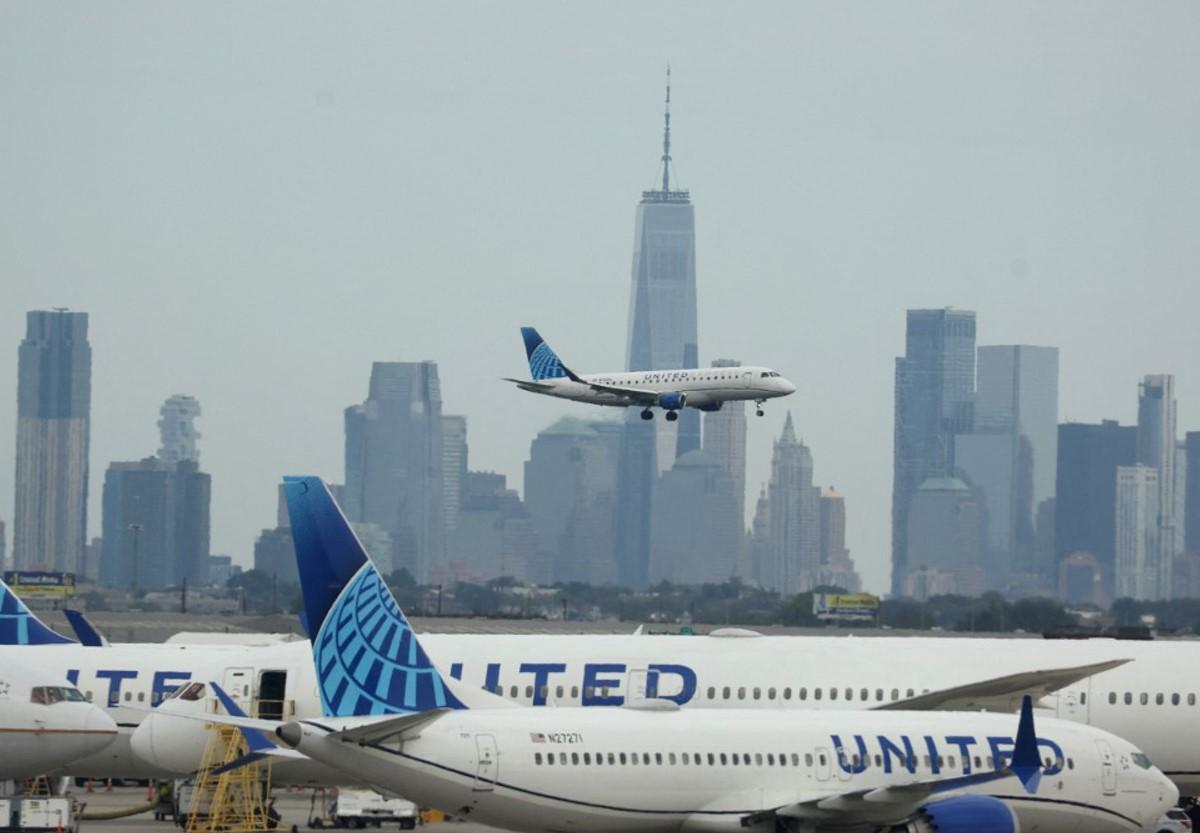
789,431
666,157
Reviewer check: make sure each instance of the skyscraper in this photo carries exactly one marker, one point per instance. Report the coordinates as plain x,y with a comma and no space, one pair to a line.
1137,545
837,568
945,540
935,395
1086,493
693,535
725,441
394,459
794,516
1011,457
54,391
662,334
176,426
454,465
1191,536
1156,448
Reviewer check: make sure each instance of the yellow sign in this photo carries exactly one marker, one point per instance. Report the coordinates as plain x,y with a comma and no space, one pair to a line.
31,584
845,605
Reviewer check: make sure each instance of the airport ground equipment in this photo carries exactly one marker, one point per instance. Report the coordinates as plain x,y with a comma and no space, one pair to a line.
40,814
359,808
229,800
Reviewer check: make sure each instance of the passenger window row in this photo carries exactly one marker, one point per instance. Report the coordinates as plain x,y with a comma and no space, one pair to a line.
756,759
1160,699
863,695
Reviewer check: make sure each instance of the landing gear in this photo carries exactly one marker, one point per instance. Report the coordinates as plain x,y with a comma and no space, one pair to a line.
672,416
759,409
649,414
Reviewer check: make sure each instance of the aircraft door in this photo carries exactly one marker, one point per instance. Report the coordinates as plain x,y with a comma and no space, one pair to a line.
1073,703
487,763
822,760
1108,768
238,684
636,683
747,378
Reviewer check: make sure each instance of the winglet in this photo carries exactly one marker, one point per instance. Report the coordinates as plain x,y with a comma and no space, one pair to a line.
18,625
255,739
1026,761
85,630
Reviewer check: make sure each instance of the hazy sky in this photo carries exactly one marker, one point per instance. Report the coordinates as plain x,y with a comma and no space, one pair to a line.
254,201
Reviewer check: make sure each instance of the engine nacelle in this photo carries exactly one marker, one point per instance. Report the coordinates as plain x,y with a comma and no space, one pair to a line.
964,814
672,401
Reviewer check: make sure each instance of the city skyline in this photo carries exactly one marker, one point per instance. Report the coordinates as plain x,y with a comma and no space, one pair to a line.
329,231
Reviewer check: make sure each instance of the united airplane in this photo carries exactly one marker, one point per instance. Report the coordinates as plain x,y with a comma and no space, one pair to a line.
706,389
390,718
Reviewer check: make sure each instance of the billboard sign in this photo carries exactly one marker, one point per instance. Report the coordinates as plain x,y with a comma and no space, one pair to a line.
32,584
860,607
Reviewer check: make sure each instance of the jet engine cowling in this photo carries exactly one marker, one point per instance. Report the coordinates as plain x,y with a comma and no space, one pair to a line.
964,814
672,401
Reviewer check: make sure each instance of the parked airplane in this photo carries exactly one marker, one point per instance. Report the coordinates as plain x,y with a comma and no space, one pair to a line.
46,724
391,719
1152,700
704,388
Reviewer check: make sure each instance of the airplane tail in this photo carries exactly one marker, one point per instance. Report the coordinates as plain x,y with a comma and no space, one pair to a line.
368,660
543,362
18,625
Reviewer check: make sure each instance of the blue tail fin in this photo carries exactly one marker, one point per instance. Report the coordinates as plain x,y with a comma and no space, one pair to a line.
543,363
84,630
368,659
18,625
1026,761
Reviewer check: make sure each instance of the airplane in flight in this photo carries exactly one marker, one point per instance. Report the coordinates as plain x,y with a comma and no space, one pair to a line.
706,388
45,724
1147,692
391,719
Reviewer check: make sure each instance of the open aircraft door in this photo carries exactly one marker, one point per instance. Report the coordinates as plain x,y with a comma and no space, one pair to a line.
1108,768
487,763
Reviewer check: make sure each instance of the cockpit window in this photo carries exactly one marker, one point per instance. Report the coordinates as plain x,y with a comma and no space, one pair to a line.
188,691
765,374
1142,760
48,695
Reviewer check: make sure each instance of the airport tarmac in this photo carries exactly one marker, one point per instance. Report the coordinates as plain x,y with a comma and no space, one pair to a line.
292,806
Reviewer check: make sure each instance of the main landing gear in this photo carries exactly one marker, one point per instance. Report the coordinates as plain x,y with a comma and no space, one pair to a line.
672,416
647,414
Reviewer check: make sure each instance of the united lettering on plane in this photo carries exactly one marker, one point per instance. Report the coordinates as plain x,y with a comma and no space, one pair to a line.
902,752
600,683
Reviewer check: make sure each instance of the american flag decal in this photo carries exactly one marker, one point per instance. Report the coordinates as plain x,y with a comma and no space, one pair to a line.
537,737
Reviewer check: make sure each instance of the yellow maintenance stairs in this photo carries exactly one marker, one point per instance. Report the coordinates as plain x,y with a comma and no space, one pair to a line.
236,801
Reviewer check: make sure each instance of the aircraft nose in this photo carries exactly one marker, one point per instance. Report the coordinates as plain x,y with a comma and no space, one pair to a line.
142,740
101,729
787,387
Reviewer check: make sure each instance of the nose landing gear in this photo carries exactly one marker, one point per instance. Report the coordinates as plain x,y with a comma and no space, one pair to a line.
759,409
647,414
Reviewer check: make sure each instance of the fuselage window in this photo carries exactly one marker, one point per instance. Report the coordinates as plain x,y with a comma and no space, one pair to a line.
758,759
142,696
879,695
770,759
1112,698
575,758
878,760
820,758
735,758
757,693
1083,698
658,758
895,694
1175,699
711,759
807,758
741,692
646,758
1070,763
816,694
546,691
724,760
512,692
725,693
802,694
1191,698
1158,699
562,758
558,692
864,695
978,763
622,759
849,694
787,693
770,694
909,694
550,759
950,762
537,758
832,693
587,757
1144,698
612,759
128,696
1128,698
712,693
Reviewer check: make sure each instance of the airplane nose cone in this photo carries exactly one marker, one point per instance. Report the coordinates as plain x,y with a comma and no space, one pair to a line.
142,741
788,387
101,729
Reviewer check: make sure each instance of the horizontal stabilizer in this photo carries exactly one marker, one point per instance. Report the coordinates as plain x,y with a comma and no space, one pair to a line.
1001,694
406,726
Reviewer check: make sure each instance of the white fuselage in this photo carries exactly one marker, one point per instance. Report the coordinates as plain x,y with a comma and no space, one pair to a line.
767,672
41,728
597,770
701,388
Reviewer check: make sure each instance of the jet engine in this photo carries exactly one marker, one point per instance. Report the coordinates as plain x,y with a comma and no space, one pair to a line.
710,406
963,814
672,401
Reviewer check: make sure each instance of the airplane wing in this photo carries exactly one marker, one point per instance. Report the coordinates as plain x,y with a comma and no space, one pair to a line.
1000,694
638,395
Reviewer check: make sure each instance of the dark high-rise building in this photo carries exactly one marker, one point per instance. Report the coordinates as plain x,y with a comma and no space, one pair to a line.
1191,510
662,334
155,524
394,460
935,384
54,392
693,534
1086,493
